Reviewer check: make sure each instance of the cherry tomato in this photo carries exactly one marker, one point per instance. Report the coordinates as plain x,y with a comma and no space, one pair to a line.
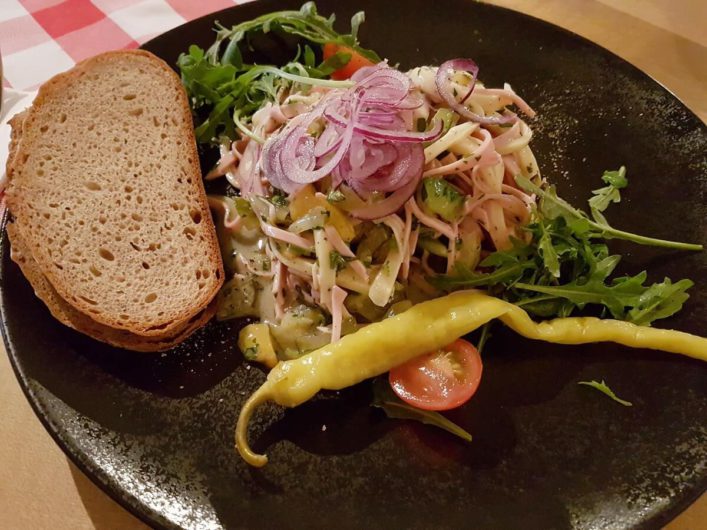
440,380
356,62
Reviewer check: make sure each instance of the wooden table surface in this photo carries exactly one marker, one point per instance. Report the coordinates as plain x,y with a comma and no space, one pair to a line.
41,489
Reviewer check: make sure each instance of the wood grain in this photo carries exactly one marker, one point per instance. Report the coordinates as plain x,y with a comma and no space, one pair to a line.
40,489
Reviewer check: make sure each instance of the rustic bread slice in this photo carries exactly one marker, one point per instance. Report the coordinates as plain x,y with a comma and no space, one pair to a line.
106,191
69,316
15,136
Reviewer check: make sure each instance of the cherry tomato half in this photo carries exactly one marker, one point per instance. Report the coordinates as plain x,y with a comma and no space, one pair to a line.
440,380
356,62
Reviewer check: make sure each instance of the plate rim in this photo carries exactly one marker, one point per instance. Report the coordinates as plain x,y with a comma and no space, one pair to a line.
131,503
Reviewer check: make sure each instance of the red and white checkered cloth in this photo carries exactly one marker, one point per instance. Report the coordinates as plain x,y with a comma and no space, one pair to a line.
40,38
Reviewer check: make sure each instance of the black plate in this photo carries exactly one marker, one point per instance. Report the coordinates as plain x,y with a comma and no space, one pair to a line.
155,431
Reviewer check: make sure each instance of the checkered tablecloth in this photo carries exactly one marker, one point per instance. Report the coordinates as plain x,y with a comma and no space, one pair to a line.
40,38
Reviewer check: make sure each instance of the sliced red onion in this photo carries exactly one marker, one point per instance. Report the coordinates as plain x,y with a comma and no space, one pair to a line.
380,73
305,173
366,71
407,164
412,102
442,83
272,167
409,171
361,166
393,135
366,143
380,118
327,142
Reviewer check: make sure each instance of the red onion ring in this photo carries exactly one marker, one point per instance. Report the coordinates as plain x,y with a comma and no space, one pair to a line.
366,143
384,134
441,82
408,161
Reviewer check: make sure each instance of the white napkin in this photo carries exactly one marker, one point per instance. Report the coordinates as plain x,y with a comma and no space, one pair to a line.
13,101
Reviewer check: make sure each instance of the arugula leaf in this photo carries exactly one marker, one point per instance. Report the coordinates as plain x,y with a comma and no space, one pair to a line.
603,387
566,266
223,88
553,206
616,181
305,23
225,92
356,21
330,65
616,297
394,407
309,59
485,336
464,278
548,252
660,300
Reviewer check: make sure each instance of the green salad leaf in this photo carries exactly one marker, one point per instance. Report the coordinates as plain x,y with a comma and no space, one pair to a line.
603,197
394,407
306,23
604,389
484,336
553,206
225,92
566,266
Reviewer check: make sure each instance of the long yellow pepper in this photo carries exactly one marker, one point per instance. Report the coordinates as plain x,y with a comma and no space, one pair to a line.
429,326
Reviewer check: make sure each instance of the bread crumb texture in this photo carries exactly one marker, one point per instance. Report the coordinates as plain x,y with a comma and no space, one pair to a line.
107,195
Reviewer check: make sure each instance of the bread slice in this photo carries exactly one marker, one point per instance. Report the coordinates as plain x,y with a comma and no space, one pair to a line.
69,316
106,191
15,135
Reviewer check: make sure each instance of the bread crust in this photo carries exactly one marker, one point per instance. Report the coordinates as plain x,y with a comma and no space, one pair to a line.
70,317
15,137
27,133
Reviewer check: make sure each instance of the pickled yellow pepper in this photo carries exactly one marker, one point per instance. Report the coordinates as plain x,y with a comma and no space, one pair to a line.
429,326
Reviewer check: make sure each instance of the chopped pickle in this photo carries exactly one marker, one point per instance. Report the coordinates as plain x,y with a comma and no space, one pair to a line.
237,299
443,199
433,246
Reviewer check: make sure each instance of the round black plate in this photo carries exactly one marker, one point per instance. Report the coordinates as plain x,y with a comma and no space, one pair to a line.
155,431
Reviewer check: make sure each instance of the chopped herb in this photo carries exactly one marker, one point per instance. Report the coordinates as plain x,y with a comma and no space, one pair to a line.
335,196
616,181
603,388
394,407
421,124
279,200
337,261
443,198
251,354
